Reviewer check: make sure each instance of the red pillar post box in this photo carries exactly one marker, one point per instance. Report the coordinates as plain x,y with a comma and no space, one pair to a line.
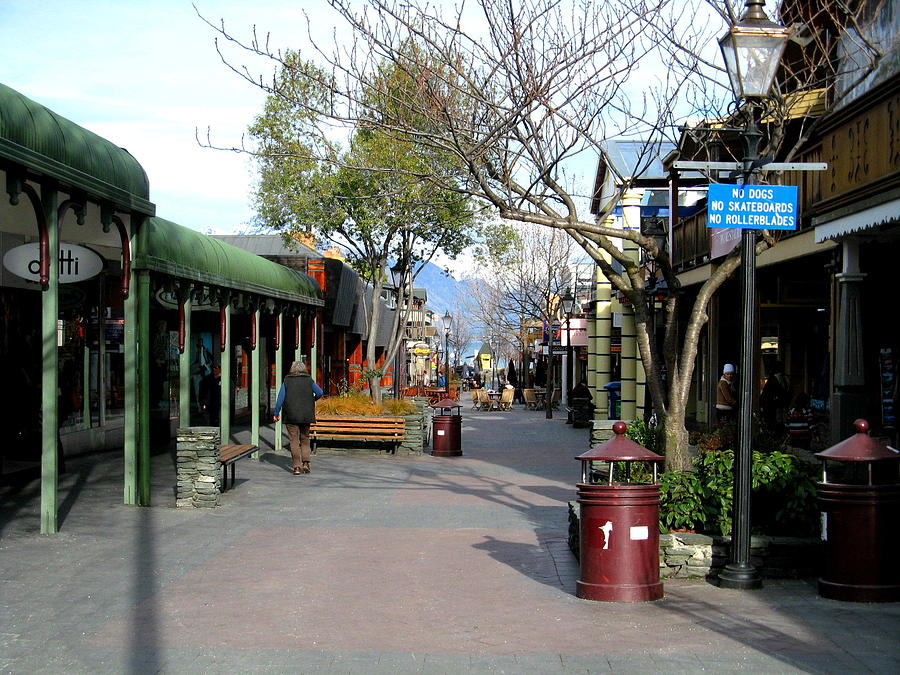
446,438
619,526
859,497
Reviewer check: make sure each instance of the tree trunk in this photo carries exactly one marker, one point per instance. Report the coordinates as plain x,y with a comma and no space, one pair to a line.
375,389
674,437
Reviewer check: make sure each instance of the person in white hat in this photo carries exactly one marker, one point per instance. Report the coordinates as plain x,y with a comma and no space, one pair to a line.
726,400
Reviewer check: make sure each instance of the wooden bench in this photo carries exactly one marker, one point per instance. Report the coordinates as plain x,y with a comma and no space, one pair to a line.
340,428
228,455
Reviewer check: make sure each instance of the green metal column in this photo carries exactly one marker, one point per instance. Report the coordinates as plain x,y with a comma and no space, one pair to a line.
184,365
225,410
50,371
279,373
143,361
101,354
254,381
132,416
86,384
314,350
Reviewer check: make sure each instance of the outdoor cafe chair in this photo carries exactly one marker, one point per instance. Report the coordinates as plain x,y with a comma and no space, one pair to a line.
531,402
476,398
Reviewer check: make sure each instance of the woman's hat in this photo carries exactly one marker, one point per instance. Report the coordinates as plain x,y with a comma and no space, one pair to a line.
729,368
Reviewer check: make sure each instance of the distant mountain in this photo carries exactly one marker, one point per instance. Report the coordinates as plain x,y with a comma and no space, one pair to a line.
443,291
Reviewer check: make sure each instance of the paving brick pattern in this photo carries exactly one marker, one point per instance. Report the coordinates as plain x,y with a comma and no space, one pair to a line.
375,564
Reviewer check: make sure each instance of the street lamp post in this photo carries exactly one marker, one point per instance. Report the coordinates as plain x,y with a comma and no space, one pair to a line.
568,301
492,341
397,277
447,321
752,50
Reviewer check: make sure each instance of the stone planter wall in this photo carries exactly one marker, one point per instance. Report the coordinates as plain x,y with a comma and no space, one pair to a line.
688,555
414,441
199,471
421,403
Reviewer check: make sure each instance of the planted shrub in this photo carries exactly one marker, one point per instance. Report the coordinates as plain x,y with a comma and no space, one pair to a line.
643,434
783,495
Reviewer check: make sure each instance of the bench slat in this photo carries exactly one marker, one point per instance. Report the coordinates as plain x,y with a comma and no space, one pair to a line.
358,425
351,437
366,420
232,453
341,428
335,427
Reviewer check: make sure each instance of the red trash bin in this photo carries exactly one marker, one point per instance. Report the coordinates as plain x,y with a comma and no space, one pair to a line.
860,517
446,435
619,527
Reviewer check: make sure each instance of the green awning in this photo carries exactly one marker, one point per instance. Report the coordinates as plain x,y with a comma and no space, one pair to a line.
187,254
46,143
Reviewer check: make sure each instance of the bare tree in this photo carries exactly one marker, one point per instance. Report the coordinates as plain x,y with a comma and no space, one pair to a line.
523,289
515,92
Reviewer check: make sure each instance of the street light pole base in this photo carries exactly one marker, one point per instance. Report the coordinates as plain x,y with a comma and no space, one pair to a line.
740,576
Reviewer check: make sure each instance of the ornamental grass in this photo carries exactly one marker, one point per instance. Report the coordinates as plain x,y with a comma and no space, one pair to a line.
360,405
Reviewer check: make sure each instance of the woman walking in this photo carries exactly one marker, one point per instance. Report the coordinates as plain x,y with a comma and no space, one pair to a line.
297,397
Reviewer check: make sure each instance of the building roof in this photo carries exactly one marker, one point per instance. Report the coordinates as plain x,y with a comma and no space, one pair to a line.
268,245
48,144
620,159
170,248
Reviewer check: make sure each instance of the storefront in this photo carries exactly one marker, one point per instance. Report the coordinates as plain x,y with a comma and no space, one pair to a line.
96,305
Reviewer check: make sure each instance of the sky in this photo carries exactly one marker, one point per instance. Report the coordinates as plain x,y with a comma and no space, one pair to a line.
145,75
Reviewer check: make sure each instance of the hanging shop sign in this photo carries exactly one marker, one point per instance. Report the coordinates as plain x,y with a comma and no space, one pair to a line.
76,263
753,207
202,302
421,349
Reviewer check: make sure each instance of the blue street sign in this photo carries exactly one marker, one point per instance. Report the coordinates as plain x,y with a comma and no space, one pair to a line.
753,207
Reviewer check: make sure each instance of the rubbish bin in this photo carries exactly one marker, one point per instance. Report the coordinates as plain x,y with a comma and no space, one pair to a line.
860,504
613,390
582,412
447,429
619,526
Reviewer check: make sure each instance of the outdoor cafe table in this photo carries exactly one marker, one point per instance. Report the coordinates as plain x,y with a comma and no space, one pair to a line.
435,394
495,398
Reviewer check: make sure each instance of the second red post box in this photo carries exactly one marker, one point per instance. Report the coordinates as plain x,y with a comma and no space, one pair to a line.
619,526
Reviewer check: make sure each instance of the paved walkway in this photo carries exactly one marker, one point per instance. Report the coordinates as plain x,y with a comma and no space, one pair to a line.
381,565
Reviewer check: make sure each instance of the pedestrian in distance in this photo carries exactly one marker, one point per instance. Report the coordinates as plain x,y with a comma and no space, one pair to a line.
799,422
581,390
211,394
296,402
726,399
775,397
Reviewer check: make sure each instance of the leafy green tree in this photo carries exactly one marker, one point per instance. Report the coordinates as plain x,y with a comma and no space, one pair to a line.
362,195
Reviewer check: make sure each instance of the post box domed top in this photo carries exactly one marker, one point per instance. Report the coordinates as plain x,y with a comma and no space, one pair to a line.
447,403
620,449
860,447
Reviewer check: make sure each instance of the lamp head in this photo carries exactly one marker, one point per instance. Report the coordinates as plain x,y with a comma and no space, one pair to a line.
752,49
568,301
397,271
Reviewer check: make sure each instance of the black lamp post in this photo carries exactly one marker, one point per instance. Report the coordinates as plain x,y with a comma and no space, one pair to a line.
568,302
752,51
492,341
447,321
396,278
